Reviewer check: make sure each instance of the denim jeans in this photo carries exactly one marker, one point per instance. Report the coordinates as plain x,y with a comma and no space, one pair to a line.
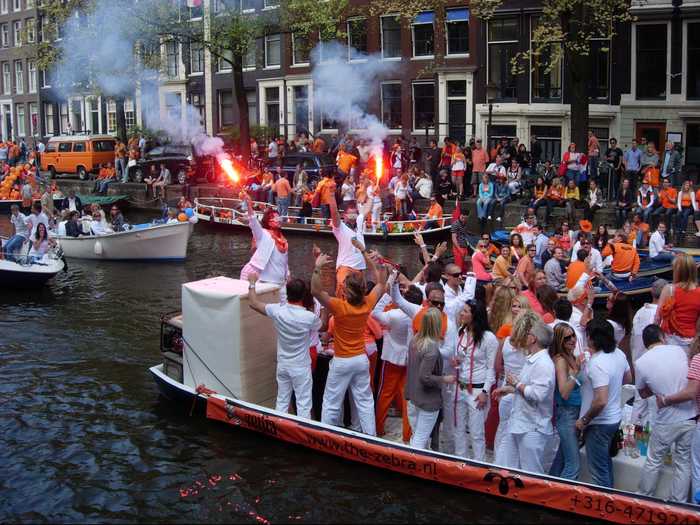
683,216
664,257
663,214
14,244
598,439
645,213
122,173
482,207
283,207
325,211
567,462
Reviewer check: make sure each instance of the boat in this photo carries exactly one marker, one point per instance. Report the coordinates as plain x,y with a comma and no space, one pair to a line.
228,212
142,242
26,274
218,363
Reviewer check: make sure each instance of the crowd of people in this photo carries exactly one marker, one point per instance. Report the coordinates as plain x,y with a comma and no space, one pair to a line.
448,344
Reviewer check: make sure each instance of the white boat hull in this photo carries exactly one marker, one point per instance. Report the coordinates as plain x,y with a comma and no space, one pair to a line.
164,242
17,275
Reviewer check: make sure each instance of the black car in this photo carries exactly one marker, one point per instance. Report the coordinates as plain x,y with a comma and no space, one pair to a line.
316,165
180,159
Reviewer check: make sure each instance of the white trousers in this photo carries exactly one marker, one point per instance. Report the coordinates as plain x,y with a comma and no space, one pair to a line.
376,213
501,443
529,450
299,381
695,461
349,373
468,416
422,423
662,438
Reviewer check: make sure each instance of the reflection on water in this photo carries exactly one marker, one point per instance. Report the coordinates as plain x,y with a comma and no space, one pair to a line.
85,436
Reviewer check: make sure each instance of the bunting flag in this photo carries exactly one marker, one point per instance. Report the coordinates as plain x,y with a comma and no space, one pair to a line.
194,3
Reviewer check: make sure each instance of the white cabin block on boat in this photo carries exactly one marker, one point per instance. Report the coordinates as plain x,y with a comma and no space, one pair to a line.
229,348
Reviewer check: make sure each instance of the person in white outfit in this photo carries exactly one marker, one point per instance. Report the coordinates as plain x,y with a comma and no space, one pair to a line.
475,356
349,369
531,416
661,371
350,229
295,326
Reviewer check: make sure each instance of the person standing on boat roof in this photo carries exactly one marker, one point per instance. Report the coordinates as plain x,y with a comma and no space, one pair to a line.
349,369
350,259
270,260
295,326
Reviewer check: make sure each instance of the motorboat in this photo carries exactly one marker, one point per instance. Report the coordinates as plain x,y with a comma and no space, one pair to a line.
219,363
25,273
141,242
230,212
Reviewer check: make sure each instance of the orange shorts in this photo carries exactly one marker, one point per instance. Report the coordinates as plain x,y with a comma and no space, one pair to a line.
458,173
340,275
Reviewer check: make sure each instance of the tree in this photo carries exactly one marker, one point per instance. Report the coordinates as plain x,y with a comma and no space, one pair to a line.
564,35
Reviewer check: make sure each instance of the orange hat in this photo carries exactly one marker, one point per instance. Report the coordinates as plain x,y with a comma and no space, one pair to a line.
585,226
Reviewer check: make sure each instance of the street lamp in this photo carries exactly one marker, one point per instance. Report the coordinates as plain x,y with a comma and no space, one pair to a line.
491,94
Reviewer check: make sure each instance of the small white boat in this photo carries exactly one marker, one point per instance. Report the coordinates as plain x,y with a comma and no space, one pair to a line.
143,242
26,274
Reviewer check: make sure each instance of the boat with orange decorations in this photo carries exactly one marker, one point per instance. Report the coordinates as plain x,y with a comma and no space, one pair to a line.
219,362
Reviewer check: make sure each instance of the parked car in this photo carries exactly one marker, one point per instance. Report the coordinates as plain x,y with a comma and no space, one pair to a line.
78,154
316,165
182,162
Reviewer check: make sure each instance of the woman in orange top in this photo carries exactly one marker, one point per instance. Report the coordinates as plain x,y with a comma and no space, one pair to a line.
679,304
555,197
668,197
697,213
687,206
517,248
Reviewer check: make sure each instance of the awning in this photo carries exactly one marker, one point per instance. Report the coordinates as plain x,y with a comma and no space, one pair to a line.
426,17
457,15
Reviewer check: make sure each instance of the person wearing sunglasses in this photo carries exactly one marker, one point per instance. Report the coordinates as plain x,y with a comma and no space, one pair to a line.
474,358
526,265
453,281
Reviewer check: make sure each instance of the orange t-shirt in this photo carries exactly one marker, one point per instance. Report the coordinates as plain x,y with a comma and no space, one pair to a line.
575,271
669,198
686,199
346,161
625,258
435,211
350,325
282,187
326,190
504,331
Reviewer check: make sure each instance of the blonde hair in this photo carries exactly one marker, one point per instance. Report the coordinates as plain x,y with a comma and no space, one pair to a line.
685,273
522,326
430,328
500,311
557,348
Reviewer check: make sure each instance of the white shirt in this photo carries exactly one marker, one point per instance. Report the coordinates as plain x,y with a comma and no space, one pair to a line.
43,248
596,257
450,294
21,224
294,325
315,339
525,231
71,204
62,228
618,330
643,318
348,255
604,370
483,358
496,171
532,410
395,349
424,187
98,228
401,190
348,191
272,150
664,370
276,269
656,244
513,359
34,220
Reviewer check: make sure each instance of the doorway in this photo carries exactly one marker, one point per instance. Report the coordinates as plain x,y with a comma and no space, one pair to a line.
652,131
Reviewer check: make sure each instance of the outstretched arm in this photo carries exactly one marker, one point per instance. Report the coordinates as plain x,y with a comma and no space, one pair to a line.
335,217
316,287
253,301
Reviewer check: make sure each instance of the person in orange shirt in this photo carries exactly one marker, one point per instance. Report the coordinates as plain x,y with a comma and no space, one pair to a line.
625,261
576,269
325,191
668,195
319,145
433,219
640,231
502,266
696,215
526,265
349,369
283,190
345,161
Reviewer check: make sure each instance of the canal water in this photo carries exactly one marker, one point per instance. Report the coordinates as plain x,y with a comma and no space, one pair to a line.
84,435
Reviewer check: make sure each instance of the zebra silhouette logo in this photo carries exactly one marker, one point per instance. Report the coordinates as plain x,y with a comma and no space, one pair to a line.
504,481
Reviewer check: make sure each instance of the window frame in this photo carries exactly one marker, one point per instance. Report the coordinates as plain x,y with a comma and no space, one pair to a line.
279,40
635,62
20,125
294,51
176,54
489,43
48,118
413,38
253,46
686,61
4,6
19,77
416,129
381,36
447,34
31,76
192,61
30,26
220,104
363,54
222,66
17,35
33,110
17,5
533,71
7,75
5,34
381,103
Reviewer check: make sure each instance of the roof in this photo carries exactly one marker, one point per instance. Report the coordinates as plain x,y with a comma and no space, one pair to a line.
80,138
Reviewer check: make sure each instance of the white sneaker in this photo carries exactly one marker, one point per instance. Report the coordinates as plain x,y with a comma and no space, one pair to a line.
697,234
489,217
498,219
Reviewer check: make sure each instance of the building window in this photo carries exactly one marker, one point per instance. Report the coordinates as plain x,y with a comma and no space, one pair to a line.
33,119
21,128
250,58
196,11
391,105
224,61
391,37
44,79
17,5
692,145
272,4
272,51
301,109
30,4
323,49
503,35
48,118
328,123
423,105
5,32
549,138
4,6
225,109
252,107
599,89
651,61
6,78
31,76
498,132
64,119
31,30
300,50
423,34
357,39
457,110
272,107
196,57
129,113
172,59
693,73
43,26
111,116
546,85
94,114
197,102
173,107
457,31
19,77
17,27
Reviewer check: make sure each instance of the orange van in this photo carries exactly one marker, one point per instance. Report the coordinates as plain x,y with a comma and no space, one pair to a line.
79,154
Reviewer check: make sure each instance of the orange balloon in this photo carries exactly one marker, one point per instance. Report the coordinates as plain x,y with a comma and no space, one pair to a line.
182,217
